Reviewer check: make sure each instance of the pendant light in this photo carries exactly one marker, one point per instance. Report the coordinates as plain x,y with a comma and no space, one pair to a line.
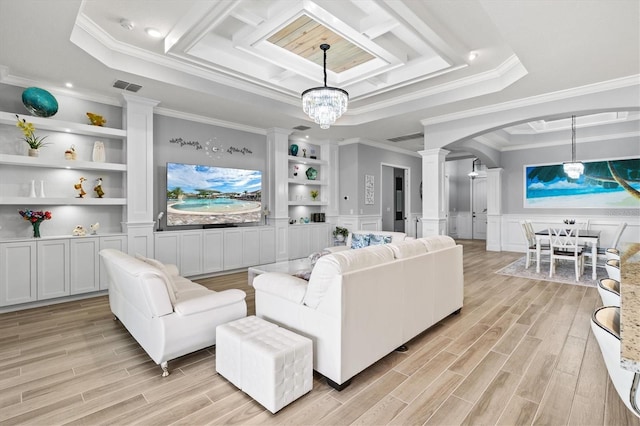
574,169
325,105
473,174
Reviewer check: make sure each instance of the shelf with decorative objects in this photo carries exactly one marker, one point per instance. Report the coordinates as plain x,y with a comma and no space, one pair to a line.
79,174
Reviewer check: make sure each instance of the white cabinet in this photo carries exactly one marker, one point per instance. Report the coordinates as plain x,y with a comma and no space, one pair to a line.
84,265
212,251
118,242
18,279
307,239
191,253
233,247
267,245
206,251
53,268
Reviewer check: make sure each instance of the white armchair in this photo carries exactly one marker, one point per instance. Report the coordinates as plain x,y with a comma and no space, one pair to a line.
167,314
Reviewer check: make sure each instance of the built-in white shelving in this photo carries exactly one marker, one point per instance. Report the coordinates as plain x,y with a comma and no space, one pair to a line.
64,126
63,201
22,160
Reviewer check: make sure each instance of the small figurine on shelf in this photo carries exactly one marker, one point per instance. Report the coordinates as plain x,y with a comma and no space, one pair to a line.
78,186
70,154
79,231
96,120
94,228
314,194
304,153
98,188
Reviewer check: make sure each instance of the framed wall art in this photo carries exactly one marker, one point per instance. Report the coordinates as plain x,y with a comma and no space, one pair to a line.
605,184
369,188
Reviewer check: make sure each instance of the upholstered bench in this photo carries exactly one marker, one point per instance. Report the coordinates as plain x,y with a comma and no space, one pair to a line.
269,363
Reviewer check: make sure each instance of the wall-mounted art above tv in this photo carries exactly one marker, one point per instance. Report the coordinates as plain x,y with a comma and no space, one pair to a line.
212,196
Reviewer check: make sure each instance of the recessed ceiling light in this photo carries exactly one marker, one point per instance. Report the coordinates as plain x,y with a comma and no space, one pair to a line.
126,24
472,56
69,85
152,32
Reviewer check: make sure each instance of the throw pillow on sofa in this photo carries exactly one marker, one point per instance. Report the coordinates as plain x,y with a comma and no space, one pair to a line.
376,240
359,241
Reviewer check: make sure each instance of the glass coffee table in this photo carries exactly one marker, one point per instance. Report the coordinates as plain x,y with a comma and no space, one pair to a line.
291,267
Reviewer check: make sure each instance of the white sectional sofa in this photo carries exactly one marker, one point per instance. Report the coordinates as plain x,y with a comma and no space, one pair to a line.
359,305
167,314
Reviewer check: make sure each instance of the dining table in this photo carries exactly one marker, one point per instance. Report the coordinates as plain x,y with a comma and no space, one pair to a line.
585,236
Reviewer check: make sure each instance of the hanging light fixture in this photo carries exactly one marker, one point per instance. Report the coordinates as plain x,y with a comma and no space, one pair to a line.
325,105
574,169
473,174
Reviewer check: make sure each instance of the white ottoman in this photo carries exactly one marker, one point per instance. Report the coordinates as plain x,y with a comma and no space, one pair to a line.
275,364
229,338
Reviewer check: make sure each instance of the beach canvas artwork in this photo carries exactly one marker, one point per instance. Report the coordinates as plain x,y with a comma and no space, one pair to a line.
610,184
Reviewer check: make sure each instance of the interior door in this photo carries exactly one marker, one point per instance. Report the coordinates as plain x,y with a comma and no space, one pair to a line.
479,208
398,200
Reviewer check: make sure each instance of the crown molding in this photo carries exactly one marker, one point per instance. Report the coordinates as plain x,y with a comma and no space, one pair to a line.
378,145
208,120
604,86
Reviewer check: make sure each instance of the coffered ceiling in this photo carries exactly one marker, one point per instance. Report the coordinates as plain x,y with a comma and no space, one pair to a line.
244,63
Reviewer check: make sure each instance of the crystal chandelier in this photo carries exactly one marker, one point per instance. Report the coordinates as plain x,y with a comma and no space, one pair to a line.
574,169
325,105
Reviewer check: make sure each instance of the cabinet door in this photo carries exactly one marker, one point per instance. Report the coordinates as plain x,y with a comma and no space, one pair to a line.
232,249
267,245
190,253
53,269
212,251
114,242
18,279
251,247
167,246
319,238
84,266
295,242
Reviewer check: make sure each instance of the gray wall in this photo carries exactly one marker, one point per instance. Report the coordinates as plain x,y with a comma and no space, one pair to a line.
358,160
167,128
513,163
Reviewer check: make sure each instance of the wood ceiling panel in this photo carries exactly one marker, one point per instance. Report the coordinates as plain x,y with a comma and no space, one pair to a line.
304,36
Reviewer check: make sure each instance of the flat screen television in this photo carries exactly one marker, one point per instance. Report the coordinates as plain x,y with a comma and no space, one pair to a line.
212,196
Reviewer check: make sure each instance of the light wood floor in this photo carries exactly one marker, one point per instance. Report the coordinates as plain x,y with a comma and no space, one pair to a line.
521,352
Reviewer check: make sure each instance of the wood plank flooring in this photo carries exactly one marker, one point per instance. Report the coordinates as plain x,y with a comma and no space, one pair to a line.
521,352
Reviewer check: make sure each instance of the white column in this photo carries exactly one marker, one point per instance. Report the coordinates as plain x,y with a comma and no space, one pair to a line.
139,221
278,188
434,216
494,209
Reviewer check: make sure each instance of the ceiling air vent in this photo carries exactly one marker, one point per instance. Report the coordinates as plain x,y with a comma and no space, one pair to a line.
131,87
407,137
301,128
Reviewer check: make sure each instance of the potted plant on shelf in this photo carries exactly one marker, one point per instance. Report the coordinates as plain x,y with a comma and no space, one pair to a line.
340,233
28,130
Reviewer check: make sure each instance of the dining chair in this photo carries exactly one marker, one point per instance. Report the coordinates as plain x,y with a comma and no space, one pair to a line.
530,237
613,269
605,324
564,246
612,251
609,290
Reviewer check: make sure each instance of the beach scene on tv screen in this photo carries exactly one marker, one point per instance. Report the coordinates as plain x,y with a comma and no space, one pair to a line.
207,195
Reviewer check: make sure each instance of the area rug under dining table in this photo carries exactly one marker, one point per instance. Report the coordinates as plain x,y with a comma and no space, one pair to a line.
564,272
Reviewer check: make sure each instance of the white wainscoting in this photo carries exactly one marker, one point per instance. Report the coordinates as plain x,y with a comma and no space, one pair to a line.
463,225
513,239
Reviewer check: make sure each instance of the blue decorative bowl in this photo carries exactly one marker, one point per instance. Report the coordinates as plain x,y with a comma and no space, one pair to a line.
39,102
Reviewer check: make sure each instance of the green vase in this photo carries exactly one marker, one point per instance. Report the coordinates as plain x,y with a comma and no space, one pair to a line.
36,229
294,150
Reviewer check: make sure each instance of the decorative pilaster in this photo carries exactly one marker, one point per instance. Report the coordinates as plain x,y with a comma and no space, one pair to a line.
494,209
277,191
434,216
139,221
